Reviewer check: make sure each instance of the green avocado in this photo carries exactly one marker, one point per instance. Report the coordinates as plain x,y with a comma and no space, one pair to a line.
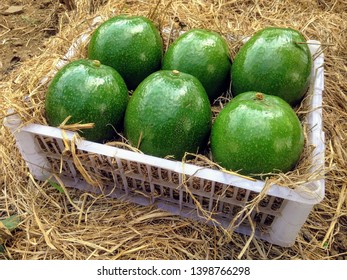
168,114
130,44
89,92
203,54
256,134
274,61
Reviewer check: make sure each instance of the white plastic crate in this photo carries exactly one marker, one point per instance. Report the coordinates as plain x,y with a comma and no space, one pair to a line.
169,185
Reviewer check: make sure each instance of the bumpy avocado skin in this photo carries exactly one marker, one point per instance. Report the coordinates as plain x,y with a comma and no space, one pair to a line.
203,54
168,114
256,136
130,44
274,61
89,93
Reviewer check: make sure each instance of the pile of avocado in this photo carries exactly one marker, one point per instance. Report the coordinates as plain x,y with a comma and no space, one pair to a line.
163,101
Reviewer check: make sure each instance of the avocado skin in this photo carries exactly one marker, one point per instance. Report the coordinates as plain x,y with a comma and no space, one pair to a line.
130,44
89,92
274,61
168,114
203,54
254,136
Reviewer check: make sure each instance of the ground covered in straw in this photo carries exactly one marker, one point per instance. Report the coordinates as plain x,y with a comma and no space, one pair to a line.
70,224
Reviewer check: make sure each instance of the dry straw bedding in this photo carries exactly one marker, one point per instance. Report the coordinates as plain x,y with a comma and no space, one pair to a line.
77,225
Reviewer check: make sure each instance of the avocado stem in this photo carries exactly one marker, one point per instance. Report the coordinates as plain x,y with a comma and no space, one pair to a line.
259,96
175,72
96,63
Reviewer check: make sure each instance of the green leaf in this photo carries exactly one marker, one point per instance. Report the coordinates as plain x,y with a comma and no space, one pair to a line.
6,226
56,186
11,222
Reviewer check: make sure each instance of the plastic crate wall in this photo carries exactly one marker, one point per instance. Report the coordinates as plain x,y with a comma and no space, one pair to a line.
171,185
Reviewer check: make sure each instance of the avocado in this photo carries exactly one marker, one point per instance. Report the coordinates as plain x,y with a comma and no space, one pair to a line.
256,133
274,61
168,114
130,44
89,92
203,54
